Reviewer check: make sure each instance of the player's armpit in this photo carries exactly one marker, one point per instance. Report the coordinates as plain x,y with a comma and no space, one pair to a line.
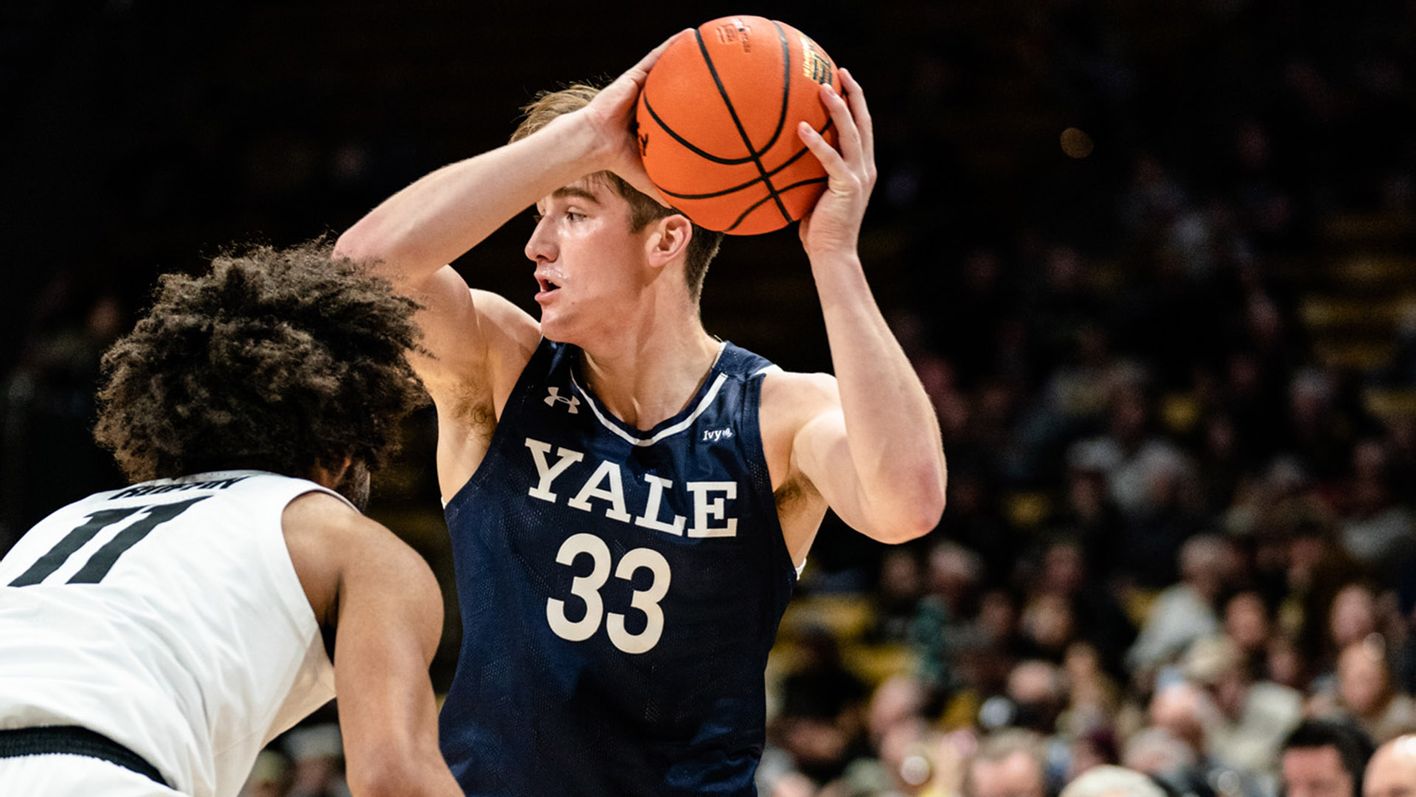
388,621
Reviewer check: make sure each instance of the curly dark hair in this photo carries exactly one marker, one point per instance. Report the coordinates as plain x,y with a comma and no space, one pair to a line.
272,359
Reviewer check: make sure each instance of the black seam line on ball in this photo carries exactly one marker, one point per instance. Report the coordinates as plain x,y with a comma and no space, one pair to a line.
747,142
753,181
759,202
648,106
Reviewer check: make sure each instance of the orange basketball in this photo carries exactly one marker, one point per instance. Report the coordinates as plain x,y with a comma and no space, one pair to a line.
718,124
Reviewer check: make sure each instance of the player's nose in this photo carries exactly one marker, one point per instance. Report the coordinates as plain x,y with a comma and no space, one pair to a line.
541,246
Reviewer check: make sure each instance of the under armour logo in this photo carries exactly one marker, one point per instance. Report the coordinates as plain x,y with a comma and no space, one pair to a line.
554,397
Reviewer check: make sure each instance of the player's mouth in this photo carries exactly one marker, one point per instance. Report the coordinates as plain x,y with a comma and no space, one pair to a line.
548,286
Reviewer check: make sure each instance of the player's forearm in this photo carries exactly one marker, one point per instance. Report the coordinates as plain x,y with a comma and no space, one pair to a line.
890,423
444,214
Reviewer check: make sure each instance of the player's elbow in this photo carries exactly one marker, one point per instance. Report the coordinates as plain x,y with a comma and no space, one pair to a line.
914,513
379,249
364,245
917,522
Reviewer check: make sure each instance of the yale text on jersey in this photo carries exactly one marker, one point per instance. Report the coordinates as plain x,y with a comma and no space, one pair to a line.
603,491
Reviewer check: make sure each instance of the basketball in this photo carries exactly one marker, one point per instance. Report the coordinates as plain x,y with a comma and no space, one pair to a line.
717,124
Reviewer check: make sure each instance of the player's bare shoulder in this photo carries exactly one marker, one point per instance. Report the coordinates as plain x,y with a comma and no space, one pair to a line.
790,400
327,538
806,391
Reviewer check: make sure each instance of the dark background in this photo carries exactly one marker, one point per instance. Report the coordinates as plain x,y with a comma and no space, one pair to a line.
1232,261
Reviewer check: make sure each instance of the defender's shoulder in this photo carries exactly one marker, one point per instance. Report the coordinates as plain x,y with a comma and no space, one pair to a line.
327,538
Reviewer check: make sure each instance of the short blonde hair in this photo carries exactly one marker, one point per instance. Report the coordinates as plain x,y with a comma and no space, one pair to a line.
546,106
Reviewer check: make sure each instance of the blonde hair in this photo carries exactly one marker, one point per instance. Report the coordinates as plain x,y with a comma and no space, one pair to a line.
547,106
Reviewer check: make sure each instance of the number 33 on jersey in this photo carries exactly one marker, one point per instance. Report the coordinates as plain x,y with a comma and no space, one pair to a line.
634,576
587,589
605,487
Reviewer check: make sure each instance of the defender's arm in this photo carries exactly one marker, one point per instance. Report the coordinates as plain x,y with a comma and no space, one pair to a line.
387,612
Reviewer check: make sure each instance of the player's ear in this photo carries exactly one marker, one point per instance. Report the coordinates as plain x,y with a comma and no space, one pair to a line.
330,474
668,239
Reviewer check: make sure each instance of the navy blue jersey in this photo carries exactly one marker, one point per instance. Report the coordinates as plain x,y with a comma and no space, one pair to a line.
620,590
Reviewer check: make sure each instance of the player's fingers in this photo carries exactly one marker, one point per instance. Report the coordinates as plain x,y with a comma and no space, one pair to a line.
860,111
846,131
831,160
641,69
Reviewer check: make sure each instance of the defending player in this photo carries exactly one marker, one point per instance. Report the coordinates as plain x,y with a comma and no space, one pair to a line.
627,495
153,639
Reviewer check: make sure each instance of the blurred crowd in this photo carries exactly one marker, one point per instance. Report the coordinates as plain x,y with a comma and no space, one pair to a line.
1177,532
1179,538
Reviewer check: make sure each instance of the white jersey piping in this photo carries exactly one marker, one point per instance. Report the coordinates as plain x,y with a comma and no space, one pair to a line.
662,433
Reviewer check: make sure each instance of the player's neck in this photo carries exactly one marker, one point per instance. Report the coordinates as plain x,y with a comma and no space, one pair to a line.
651,374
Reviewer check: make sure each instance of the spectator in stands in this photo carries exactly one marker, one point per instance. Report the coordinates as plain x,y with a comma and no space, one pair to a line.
1246,621
1315,432
1007,764
1164,757
1252,718
1366,692
901,585
1036,691
1377,530
1091,516
1353,618
1392,770
953,575
822,706
1109,781
1093,697
1097,616
1322,758
1186,611
901,698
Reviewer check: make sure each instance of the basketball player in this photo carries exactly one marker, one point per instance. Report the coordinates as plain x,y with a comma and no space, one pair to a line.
153,639
629,497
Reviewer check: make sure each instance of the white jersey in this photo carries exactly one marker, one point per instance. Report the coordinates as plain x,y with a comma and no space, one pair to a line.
168,617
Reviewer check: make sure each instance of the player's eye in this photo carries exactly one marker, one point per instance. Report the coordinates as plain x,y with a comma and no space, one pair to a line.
574,215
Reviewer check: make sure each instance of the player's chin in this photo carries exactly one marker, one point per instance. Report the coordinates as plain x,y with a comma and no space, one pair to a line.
554,328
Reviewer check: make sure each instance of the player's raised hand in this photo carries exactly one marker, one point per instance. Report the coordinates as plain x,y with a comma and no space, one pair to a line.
833,227
611,117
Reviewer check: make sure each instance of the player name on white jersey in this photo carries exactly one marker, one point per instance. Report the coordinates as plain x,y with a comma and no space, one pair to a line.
710,500
157,489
